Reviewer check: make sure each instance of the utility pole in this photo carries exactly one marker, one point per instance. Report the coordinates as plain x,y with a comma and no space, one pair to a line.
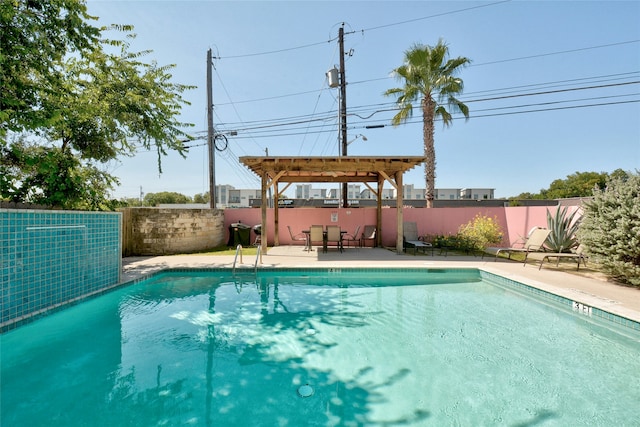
266,153
343,111
210,136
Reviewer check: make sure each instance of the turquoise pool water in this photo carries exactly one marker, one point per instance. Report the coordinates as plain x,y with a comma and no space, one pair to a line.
319,348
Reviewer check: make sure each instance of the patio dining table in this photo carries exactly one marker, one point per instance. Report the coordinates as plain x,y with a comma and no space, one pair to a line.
307,233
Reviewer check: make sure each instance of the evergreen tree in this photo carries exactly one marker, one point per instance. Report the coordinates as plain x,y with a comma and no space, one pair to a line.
610,228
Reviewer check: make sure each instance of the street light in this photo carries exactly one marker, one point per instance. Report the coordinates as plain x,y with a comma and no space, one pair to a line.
364,138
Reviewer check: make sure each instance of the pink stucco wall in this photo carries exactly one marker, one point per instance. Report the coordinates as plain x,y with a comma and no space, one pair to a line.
515,221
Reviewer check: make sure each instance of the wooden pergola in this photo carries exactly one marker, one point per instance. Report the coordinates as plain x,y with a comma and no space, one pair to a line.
372,171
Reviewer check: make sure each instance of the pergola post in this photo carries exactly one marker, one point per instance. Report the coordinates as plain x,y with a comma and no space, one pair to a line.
276,217
263,208
399,214
379,211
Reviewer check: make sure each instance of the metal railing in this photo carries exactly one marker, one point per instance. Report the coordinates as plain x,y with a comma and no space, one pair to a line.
238,251
258,256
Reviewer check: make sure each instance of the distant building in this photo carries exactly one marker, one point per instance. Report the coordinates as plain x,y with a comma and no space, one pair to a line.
447,194
353,192
409,192
477,193
306,191
222,194
387,193
229,197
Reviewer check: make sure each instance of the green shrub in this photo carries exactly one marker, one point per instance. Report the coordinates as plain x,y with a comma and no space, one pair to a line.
610,228
479,233
441,241
563,230
454,242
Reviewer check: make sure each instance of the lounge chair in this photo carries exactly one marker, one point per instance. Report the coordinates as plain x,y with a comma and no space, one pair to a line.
300,237
412,240
534,243
369,233
578,255
352,237
334,234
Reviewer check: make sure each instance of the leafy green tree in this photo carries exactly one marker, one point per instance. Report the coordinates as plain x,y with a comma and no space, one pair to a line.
98,102
117,99
429,75
126,202
579,184
610,228
201,198
35,37
49,176
165,197
527,196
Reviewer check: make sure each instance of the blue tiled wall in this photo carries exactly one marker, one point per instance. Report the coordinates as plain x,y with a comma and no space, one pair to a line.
51,257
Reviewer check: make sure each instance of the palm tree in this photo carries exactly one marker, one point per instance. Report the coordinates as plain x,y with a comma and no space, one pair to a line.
429,75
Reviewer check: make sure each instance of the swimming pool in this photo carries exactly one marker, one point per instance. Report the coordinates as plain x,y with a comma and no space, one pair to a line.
319,348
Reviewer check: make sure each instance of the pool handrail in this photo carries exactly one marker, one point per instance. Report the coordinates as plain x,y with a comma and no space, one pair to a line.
238,250
258,256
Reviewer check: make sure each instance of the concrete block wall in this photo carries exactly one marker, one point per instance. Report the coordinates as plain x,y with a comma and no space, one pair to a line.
159,231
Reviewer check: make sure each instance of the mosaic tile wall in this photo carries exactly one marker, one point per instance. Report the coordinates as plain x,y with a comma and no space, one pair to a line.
50,257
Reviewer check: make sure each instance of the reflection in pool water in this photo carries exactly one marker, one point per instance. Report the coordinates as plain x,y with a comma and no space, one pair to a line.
318,348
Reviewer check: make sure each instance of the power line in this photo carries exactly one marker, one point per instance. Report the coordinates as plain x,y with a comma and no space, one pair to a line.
452,12
363,125
539,110
329,116
554,53
305,46
552,91
388,78
603,78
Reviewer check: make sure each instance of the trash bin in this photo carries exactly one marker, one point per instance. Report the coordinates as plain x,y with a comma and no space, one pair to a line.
239,234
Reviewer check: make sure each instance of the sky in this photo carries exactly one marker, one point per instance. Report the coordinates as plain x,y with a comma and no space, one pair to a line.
553,87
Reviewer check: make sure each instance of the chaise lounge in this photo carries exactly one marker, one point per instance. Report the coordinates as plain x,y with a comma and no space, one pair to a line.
534,243
578,255
412,240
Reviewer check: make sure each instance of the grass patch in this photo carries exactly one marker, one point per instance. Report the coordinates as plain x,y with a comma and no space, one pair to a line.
226,250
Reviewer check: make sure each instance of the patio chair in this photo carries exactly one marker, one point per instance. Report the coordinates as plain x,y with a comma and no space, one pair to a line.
316,234
352,237
577,255
534,243
334,234
369,233
300,237
411,239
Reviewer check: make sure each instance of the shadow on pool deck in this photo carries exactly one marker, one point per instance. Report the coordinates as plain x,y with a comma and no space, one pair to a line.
593,291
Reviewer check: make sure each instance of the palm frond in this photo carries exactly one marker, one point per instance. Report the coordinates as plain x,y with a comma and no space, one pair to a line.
405,113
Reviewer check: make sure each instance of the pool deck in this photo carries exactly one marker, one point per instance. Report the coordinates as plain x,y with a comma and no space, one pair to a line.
592,290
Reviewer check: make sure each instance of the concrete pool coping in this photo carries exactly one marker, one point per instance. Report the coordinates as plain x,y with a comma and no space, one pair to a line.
596,292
